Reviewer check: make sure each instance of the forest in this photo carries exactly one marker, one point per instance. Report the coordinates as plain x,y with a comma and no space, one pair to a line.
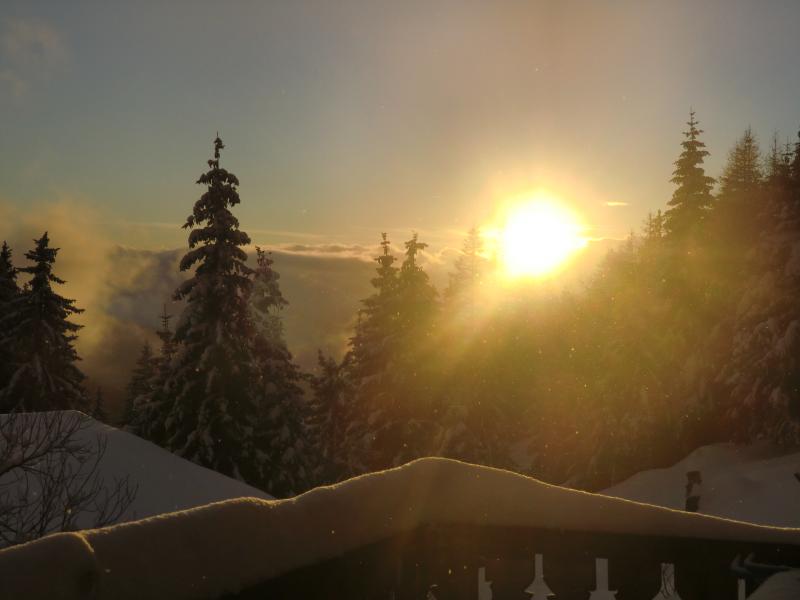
688,333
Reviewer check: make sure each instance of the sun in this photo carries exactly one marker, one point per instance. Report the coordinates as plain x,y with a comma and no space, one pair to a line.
537,238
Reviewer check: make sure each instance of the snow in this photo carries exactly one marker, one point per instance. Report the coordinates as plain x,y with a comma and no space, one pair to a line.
166,482
754,483
224,547
781,586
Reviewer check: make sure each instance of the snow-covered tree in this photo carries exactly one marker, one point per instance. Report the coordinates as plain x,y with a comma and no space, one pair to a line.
330,414
139,388
276,386
38,334
742,174
149,400
468,277
211,414
368,360
760,377
404,417
377,320
99,407
778,165
692,198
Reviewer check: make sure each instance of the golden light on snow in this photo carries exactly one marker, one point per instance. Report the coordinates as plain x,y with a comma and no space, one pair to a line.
537,236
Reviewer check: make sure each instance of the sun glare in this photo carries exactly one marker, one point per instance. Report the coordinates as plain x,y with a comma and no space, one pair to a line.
538,237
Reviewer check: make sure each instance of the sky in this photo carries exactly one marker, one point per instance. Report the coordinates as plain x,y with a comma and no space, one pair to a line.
344,119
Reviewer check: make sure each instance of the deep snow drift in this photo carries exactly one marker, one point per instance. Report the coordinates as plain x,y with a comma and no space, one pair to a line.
225,547
166,482
753,483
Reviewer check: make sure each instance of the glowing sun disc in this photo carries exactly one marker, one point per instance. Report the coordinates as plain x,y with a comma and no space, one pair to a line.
538,237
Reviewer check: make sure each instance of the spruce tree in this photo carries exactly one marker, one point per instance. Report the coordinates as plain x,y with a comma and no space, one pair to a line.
377,320
692,199
9,292
99,408
330,415
40,338
417,303
151,406
777,165
280,439
139,389
742,174
405,417
468,277
369,360
211,412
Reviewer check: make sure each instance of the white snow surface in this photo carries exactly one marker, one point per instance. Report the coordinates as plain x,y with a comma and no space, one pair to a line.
754,483
224,547
166,483
781,586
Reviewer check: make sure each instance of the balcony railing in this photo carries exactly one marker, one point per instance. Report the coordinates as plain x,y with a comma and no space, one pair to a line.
455,562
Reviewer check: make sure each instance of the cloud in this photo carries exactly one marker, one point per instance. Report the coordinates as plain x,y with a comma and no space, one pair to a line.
615,204
30,52
328,250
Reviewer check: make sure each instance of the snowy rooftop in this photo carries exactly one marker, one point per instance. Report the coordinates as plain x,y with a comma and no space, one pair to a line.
165,482
225,547
755,483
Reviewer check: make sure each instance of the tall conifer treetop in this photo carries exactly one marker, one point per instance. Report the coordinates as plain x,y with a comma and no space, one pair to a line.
217,244
210,413
692,198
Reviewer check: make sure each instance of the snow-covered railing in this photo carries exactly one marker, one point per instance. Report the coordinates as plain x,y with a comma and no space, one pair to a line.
434,528
457,562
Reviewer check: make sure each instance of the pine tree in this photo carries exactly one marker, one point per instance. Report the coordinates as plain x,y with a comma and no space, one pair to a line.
151,405
369,359
40,337
777,165
330,415
99,409
416,296
369,347
280,439
468,277
742,174
167,337
211,414
140,389
405,416
692,199
9,292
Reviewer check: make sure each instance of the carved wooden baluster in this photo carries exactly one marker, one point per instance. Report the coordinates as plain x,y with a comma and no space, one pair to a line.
538,589
484,587
668,590
601,591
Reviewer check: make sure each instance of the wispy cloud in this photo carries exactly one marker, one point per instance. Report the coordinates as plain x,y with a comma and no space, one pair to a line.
30,52
615,203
